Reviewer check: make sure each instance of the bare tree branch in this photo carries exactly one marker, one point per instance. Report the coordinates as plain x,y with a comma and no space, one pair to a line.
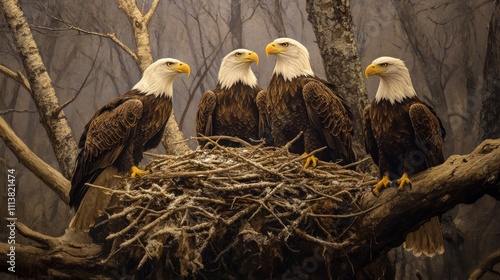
149,14
42,170
110,36
486,266
5,112
83,83
18,76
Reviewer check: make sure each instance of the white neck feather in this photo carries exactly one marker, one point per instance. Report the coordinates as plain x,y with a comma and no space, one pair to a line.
292,67
395,87
230,74
156,83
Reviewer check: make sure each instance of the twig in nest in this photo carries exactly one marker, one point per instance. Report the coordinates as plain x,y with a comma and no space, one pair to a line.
333,245
345,215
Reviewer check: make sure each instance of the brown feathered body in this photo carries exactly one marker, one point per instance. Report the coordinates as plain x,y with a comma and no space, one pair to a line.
117,135
229,111
403,137
310,105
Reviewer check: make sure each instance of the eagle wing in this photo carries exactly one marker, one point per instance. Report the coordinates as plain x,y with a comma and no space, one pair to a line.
206,109
328,114
103,141
264,127
370,143
429,133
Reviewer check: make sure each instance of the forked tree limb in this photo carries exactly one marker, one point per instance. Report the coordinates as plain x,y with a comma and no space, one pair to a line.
50,176
17,76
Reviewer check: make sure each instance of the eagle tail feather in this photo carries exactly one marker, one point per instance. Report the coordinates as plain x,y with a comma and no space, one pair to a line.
94,201
428,239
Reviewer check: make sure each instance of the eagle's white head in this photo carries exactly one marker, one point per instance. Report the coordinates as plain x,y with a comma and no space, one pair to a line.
395,82
292,58
158,78
236,67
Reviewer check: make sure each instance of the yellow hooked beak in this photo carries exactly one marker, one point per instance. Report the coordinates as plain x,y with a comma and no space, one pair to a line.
183,68
273,48
374,69
250,57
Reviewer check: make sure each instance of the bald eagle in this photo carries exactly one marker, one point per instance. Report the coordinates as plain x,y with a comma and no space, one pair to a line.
231,107
296,100
404,136
115,138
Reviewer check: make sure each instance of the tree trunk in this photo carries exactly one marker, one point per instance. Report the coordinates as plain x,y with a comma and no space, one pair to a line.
42,92
332,23
490,113
172,136
235,24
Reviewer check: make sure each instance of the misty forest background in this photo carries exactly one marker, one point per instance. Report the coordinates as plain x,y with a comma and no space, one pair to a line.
444,45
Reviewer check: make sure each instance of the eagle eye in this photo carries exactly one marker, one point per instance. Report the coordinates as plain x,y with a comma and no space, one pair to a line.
285,45
237,54
169,63
384,65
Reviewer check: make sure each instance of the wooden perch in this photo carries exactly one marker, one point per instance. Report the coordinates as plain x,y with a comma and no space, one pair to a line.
226,212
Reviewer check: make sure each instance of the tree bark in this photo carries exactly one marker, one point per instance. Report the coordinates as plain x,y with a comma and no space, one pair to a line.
332,23
173,135
42,91
490,112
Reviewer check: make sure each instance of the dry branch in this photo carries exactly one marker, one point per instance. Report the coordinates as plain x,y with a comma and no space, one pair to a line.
51,177
486,266
225,212
17,76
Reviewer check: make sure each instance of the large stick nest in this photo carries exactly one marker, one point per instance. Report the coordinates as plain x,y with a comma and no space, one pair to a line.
232,212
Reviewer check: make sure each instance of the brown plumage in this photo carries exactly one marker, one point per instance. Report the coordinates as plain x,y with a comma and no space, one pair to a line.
404,136
231,108
115,138
298,101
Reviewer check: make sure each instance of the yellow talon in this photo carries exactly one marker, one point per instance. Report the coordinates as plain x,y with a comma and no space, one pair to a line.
403,181
135,171
309,160
384,182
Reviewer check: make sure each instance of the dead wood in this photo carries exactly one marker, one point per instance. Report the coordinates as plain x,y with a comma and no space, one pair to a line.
487,265
253,212
50,176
